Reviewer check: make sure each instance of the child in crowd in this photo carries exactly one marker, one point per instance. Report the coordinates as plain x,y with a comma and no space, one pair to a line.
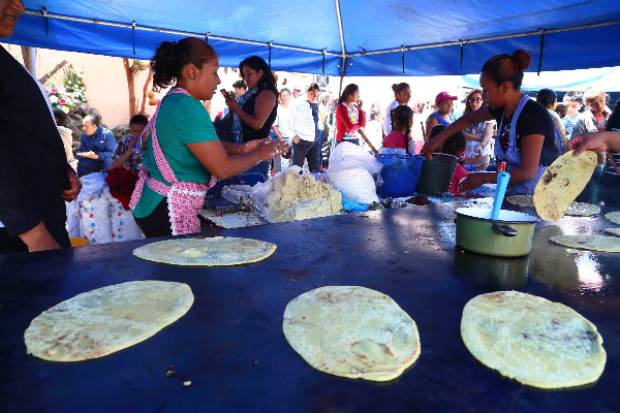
402,121
454,145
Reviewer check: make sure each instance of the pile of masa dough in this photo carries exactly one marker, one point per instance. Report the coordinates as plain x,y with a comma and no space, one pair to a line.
297,196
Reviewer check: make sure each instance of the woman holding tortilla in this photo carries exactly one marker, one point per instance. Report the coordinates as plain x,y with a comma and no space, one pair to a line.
525,138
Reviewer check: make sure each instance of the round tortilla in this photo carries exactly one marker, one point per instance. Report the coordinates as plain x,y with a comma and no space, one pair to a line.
103,321
208,252
613,231
561,183
583,209
522,201
599,243
352,332
613,217
535,341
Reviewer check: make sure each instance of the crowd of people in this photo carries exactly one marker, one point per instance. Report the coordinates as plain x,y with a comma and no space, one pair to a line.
165,166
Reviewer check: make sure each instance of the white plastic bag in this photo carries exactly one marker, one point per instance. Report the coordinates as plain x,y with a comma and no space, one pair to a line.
93,186
124,226
355,184
350,156
95,222
73,219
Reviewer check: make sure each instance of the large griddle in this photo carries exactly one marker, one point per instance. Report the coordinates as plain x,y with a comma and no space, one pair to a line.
231,347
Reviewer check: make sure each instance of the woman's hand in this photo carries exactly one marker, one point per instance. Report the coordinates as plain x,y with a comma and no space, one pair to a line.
253,144
431,147
589,141
231,102
74,188
268,150
359,104
472,181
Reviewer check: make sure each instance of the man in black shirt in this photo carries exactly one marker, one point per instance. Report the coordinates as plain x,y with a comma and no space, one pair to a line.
35,178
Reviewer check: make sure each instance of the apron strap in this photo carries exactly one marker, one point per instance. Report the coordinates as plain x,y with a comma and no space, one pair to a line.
161,161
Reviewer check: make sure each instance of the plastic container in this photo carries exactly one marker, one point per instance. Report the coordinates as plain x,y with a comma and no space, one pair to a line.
399,175
436,174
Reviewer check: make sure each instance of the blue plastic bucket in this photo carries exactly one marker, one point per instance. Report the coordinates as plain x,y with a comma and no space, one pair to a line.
400,175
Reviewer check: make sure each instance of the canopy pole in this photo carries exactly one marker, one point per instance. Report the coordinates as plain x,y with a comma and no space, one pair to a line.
542,50
45,16
343,55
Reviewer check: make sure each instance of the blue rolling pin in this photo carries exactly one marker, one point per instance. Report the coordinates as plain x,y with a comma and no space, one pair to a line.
503,177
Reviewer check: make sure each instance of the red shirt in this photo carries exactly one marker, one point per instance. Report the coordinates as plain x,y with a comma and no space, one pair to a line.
459,173
344,124
395,139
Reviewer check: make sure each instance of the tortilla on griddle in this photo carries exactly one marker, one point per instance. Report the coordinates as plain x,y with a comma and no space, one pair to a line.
522,201
535,341
613,231
583,209
103,321
613,217
599,243
352,332
208,252
561,183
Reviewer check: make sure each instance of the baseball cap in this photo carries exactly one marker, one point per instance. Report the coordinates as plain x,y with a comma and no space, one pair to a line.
441,96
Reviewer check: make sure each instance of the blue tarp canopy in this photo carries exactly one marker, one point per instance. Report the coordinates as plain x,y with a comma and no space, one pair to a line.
359,38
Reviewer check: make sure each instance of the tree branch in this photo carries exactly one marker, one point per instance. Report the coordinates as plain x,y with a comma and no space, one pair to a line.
52,72
145,91
130,87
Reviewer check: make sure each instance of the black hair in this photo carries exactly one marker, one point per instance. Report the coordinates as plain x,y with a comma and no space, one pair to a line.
240,84
60,117
350,89
139,120
268,81
546,97
313,86
402,117
437,129
614,120
508,68
399,87
454,145
561,109
171,57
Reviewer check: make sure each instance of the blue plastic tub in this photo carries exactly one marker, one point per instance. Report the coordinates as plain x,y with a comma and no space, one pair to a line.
400,175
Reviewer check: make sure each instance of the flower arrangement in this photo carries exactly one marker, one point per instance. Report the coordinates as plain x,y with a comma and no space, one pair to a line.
71,94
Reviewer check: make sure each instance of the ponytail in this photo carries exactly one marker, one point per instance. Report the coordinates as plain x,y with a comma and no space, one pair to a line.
171,57
508,68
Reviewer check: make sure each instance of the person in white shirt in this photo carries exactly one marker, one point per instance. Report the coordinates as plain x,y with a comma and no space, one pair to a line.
283,126
305,129
402,95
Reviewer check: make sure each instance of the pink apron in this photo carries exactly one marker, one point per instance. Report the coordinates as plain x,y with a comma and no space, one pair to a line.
185,199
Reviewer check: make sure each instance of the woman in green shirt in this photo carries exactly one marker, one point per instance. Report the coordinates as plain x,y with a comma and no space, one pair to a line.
184,155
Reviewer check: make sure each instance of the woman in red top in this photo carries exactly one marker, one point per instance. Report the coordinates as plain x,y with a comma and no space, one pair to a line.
402,120
349,115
